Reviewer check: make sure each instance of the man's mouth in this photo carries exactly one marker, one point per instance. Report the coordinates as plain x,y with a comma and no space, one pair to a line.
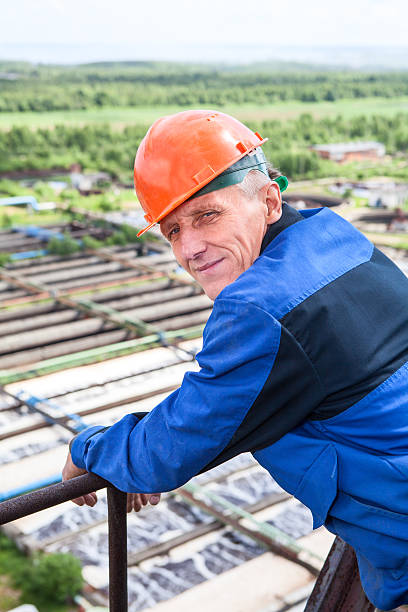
209,265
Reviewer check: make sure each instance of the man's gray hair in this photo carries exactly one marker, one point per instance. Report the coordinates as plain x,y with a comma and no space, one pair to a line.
256,179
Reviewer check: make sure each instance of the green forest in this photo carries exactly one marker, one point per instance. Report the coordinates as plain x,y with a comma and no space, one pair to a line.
100,147
25,87
41,90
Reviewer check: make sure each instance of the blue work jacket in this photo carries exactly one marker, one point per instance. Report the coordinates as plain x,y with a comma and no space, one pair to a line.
304,364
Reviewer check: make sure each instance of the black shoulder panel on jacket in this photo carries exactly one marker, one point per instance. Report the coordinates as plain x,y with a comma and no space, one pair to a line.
355,331
287,398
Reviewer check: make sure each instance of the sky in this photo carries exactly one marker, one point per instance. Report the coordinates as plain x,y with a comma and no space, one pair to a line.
191,29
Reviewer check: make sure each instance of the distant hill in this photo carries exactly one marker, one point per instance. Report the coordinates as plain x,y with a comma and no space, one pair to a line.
280,58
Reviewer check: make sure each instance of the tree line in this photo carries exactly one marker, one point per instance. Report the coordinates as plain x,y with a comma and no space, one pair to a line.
25,87
99,147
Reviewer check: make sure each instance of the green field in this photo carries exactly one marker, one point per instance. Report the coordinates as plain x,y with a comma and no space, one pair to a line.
246,112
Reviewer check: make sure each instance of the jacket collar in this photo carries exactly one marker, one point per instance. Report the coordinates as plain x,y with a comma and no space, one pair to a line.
289,217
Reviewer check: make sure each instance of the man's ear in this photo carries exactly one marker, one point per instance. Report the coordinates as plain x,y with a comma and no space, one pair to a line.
273,200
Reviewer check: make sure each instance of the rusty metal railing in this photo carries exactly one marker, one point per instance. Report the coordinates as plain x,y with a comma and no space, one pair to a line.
338,587
30,503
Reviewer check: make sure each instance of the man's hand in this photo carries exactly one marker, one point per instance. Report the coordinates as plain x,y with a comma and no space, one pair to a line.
69,471
135,501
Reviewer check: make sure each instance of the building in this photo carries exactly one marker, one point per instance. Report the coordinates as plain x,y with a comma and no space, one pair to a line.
350,151
88,183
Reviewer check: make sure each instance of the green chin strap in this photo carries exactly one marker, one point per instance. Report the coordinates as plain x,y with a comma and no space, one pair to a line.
237,172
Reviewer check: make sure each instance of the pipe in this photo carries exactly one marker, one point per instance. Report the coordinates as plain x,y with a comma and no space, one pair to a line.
134,319
269,542
193,318
20,297
95,354
33,486
53,495
90,282
62,264
57,276
28,254
53,262
55,315
41,353
32,402
117,528
48,497
17,200
61,261
96,409
41,234
102,340
338,585
147,290
86,282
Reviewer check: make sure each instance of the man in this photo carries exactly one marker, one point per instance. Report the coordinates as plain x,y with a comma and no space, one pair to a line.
305,355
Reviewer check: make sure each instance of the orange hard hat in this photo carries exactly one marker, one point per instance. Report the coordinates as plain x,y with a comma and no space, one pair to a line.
182,153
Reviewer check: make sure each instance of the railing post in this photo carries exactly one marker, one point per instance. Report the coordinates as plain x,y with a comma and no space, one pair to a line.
118,597
338,585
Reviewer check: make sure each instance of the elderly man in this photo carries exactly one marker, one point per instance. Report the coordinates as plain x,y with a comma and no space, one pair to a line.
305,355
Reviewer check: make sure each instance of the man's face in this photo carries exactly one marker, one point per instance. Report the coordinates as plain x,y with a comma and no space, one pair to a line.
217,236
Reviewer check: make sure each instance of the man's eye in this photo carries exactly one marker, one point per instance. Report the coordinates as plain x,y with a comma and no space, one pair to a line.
173,232
210,213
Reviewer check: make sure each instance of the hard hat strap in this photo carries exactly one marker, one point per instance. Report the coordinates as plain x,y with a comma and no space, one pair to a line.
237,172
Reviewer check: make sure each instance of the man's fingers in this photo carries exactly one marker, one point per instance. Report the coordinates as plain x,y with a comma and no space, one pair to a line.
133,502
129,503
89,499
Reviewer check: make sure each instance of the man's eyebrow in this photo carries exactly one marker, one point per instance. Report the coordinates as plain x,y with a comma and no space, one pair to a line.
166,225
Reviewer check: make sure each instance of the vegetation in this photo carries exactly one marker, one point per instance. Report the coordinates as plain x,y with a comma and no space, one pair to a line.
97,114
63,246
91,243
56,577
103,148
272,98
71,198
47,581
68,246
52,88
118,117
5,258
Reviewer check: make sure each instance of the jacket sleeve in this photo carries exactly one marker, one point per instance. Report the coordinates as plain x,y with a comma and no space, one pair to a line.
193,425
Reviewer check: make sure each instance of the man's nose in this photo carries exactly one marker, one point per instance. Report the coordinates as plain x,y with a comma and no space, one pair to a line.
192,244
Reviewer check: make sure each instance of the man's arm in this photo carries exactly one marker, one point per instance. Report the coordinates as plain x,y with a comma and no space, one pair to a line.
135,501
192,427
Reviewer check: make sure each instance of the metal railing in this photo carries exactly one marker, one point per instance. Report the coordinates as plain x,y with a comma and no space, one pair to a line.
31,503
337,587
